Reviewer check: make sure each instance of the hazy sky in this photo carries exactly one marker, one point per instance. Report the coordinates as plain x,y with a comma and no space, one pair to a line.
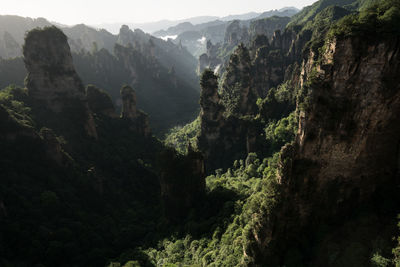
99,11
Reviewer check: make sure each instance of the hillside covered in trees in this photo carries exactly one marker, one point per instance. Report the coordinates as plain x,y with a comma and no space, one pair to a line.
291,157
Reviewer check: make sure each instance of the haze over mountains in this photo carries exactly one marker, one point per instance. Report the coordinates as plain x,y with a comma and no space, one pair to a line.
151,27
97,57
269,141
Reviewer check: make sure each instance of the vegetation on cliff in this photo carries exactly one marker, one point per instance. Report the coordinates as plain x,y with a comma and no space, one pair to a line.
268,174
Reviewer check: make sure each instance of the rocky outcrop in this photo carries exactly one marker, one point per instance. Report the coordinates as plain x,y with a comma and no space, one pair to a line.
140,121
210,60
344,166
269,69
235,34
129,110
53,147
267,26
222,139
100,102
357,102
52,81
238,93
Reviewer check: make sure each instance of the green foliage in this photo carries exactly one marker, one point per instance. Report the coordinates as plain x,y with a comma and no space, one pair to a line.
320,25
80,211
379,19
379,261
281,132
10,99
396,250
236,82
237,200
279,103
308,13
180,137
255,188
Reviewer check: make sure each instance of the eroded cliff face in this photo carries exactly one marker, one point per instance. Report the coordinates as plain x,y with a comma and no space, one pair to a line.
100,102
341,175
52,81
222,138
210,60
352,122
139,120
236,33
238,91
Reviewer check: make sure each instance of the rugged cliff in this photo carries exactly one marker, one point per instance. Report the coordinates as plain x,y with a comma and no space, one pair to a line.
223,137
139,120
52,81
340,177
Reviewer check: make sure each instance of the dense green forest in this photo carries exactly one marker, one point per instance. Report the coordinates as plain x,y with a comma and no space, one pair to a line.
292,159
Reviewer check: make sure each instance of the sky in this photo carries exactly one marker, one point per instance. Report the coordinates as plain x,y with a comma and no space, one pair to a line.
72,12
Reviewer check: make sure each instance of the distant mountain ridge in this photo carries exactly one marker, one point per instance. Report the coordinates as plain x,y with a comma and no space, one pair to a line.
152,27
162,73
187,25
195,36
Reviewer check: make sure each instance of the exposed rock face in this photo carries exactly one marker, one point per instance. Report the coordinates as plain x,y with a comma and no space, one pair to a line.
238,93
269,69
182,182
134,38
209,60
100,102
268,26
358,98
222,139
129,110
52,79
210,102
51,71
54,149
140,121
346,156
235,34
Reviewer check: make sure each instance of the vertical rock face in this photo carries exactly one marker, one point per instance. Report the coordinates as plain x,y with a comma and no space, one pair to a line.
53,147
357,102
209,60
211,108
267,26
236,34
238,91
100,102
51,73
52,79
129,109
139,120
269,69
222,139
346,156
